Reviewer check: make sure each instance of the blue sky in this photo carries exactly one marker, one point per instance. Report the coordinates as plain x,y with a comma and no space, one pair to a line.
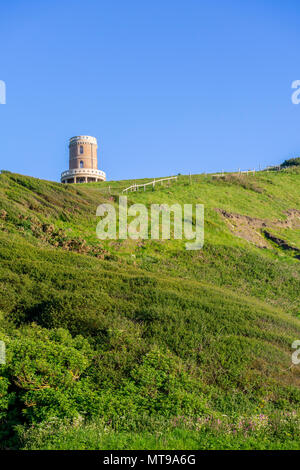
166,86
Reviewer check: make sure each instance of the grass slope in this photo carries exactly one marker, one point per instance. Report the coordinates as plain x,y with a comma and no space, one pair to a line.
142,344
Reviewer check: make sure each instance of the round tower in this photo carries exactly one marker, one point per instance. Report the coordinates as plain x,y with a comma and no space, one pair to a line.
83,163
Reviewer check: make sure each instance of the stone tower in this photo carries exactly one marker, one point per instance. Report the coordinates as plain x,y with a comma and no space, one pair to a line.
83,164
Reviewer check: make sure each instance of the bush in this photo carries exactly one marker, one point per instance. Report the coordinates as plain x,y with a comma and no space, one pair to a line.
291,162
44,374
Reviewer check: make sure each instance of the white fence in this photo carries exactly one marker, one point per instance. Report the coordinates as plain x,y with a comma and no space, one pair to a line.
135,187
250,171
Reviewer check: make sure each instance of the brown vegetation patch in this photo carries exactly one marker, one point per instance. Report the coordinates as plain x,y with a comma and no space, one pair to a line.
254,229
59,238
3,214
239,179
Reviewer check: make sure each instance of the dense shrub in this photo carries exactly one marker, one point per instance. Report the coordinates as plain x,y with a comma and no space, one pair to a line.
291,162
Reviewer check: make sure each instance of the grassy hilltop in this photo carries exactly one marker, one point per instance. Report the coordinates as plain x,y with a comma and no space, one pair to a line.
124,344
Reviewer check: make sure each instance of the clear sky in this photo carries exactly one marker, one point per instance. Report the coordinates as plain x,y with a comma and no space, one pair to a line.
166,86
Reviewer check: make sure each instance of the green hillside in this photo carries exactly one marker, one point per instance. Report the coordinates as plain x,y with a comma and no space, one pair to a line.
124,344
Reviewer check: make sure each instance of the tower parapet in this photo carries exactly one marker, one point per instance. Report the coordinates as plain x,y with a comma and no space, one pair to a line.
83,163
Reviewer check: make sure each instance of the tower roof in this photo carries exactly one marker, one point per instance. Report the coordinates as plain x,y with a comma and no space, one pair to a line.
83,138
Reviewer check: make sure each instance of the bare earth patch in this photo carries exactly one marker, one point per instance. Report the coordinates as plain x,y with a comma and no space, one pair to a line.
254,229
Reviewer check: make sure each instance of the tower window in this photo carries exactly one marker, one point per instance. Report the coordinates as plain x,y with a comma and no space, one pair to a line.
81,148
81,164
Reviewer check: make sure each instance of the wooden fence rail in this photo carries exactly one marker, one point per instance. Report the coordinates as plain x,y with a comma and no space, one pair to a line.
135,187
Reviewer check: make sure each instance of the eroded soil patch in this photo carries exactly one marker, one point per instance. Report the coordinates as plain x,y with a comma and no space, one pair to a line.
255,230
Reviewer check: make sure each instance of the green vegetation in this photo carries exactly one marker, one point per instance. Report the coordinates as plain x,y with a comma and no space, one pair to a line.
291,162
124,344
